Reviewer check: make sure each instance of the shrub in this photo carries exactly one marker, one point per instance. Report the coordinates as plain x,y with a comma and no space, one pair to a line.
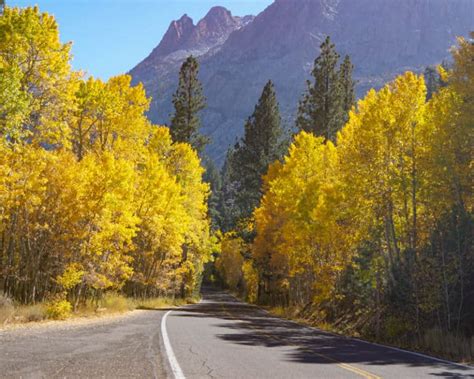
59,309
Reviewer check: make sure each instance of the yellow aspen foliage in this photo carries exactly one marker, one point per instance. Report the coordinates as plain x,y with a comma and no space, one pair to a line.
379,150
173,242
250,278
109,116
92,196
230,260
298,237
14,104
37,63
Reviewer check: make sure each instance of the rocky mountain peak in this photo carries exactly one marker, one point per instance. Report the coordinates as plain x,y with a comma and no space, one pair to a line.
177,35
215,26
218,15
212,30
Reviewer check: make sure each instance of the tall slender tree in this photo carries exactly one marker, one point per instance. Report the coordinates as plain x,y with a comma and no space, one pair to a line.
212,176
188,101
227,208
260,146
347,88
324,106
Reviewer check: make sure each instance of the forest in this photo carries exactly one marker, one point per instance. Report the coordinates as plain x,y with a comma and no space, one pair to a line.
358,218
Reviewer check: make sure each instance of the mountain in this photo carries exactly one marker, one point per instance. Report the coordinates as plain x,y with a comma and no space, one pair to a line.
238,55
159,71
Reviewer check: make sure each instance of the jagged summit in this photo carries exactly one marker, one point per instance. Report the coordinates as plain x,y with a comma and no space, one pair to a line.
218,12
212,30
178,33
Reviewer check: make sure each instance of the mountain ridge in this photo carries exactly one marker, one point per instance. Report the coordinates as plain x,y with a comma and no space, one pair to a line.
383,38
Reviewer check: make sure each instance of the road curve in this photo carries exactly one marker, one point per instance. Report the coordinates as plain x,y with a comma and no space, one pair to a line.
222,337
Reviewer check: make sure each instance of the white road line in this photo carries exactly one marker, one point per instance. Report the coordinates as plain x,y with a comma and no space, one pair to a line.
177,372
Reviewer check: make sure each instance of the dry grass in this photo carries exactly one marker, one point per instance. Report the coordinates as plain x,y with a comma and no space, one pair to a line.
13,313
449,345
161,302
111,303
30,313
7,309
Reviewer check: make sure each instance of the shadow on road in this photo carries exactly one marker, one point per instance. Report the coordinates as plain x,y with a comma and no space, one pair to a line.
254,327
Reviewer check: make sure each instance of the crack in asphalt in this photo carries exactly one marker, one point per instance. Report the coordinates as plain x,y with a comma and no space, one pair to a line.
204,364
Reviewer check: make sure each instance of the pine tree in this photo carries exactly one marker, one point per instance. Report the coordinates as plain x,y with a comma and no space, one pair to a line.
188,101
432,81
347,87
212,176
227,209
321,107
260,146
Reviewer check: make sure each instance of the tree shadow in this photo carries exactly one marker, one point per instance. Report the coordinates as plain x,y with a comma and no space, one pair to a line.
249,325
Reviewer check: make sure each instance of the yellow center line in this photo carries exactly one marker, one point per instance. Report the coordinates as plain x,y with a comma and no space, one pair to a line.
345,366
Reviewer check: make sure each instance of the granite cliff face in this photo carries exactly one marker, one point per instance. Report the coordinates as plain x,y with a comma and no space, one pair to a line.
238,55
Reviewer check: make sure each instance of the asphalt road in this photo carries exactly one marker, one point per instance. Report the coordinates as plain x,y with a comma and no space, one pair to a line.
217,338
224,338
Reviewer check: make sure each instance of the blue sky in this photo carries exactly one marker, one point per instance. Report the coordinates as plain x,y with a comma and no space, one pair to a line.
111,36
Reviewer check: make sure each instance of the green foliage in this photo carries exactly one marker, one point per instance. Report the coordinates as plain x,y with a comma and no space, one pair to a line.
188,101
212,176
324,107
347,88
261,145
228,209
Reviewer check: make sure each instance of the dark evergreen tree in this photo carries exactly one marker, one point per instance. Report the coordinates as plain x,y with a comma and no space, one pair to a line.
188,101
227,208
213,178
433,80
347,88
260,146
324,106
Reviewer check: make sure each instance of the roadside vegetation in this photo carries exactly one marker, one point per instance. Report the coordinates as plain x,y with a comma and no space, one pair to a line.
12,312
365,225
100,211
